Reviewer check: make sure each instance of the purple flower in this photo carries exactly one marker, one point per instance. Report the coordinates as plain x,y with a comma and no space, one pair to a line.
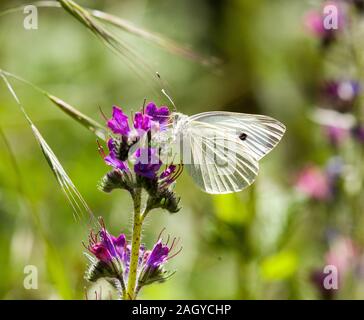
152,268
315,22
341,94
100,252
336,135
342,254
160,115
147,162
358,133
317,278
120,245
107,247
119,122
158,255
142,122
112,158
115,253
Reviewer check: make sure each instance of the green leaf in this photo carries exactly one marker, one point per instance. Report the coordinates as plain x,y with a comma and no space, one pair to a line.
279,266
230,209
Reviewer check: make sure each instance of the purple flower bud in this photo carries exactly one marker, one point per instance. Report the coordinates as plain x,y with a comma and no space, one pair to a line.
158,255
119,122
112,159
160,115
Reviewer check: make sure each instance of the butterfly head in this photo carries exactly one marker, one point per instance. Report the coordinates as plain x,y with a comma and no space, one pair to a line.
179,120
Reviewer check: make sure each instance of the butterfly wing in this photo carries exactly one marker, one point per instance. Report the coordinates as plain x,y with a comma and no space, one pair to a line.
218,160
261,133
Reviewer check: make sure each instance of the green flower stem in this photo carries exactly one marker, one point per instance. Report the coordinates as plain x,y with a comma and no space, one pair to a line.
135,246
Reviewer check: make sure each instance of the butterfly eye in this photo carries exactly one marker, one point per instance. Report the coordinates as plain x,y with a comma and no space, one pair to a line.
243,136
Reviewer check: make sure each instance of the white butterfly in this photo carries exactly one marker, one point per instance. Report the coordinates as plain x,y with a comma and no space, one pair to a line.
221,150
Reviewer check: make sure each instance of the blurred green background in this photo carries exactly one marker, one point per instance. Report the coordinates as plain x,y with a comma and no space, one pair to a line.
266,242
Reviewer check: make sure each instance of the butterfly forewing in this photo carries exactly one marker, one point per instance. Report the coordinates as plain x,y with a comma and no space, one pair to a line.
259,134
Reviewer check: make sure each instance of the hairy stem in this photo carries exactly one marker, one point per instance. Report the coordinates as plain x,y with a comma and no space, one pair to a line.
135,246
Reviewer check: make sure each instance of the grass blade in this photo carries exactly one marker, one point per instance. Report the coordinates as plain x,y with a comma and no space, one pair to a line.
84,120
131,57
90,124
157,39
74,197
125,25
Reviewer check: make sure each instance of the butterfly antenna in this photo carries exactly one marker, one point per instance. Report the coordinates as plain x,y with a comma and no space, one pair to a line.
164,91
170,99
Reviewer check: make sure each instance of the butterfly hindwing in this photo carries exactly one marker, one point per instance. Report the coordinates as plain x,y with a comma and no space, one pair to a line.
218,162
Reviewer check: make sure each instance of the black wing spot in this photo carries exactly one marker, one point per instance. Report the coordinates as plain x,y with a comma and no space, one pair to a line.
243,136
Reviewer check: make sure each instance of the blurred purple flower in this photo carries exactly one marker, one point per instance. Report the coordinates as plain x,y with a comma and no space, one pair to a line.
119,122
358,133
314,22
334,169
342,254
336,135
341,95
317,278
314,183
